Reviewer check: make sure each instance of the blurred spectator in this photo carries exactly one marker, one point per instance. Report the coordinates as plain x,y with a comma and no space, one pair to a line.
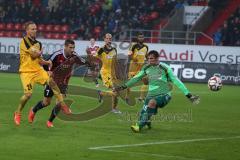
179,4
91,18
2,14
225,34
230,32
53,5
217,37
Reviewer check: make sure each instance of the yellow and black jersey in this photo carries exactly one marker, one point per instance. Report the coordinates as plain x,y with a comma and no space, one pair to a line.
27,63
108,58
139,52
137,58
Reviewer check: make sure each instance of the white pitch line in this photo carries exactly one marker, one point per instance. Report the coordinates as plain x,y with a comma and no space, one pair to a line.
150,154
163,142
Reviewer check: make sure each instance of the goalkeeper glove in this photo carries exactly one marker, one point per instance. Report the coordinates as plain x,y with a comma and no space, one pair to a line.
120,88
195,99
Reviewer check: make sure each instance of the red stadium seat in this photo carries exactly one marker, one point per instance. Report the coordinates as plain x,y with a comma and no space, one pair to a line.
47,35
56,35
8,34
17,34
23,27
147,40
73,36
18,27
41,27
64,28
1,33
2,26
57,28
64,36
49,28
9,26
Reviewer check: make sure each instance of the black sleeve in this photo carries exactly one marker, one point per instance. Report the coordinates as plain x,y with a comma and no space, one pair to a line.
46,57
115,50
100,51
40,44
133,47
147,48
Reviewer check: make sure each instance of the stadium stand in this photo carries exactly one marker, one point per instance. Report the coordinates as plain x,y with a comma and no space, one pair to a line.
223,11
81,19
229,33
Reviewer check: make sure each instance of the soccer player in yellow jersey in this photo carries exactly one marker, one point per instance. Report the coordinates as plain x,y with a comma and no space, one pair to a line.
137,54
108,56
31,70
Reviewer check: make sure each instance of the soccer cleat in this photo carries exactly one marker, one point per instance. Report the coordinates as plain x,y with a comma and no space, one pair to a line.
116,111
31,116
100,97
149,125
135,128
17,118
66,109
49,124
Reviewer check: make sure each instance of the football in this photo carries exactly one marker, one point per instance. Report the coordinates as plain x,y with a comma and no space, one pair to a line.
215,83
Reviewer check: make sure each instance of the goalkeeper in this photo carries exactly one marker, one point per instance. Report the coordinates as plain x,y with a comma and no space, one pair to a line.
160,77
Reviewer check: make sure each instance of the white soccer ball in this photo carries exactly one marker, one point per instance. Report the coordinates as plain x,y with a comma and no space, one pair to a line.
215,83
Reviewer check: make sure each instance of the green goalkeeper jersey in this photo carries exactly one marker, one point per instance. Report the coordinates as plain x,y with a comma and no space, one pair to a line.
160,78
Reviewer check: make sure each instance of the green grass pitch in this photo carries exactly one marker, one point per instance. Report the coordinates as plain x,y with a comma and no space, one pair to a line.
208,131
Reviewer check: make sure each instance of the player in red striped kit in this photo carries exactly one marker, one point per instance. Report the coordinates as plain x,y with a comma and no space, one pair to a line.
63,61
91,51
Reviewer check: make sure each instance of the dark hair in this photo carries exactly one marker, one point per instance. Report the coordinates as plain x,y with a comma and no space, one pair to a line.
27,24
69,41
140,34
154,53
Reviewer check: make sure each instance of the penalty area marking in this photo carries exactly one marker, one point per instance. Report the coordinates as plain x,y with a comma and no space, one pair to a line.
163,142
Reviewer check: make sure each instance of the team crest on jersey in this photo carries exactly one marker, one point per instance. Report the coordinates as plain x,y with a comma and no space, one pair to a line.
65,66
109,56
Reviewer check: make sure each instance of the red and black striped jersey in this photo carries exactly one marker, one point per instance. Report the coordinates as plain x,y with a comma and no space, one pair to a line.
63,66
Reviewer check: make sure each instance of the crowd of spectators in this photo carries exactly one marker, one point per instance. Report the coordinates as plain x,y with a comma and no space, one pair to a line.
229,33
91,18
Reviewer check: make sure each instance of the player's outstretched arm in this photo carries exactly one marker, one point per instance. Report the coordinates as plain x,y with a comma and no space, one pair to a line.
195,99
131,82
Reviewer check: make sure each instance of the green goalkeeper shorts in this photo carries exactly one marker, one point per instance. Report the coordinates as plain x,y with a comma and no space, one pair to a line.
162,100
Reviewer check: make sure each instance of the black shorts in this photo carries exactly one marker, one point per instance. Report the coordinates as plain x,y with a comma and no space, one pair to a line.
48,92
